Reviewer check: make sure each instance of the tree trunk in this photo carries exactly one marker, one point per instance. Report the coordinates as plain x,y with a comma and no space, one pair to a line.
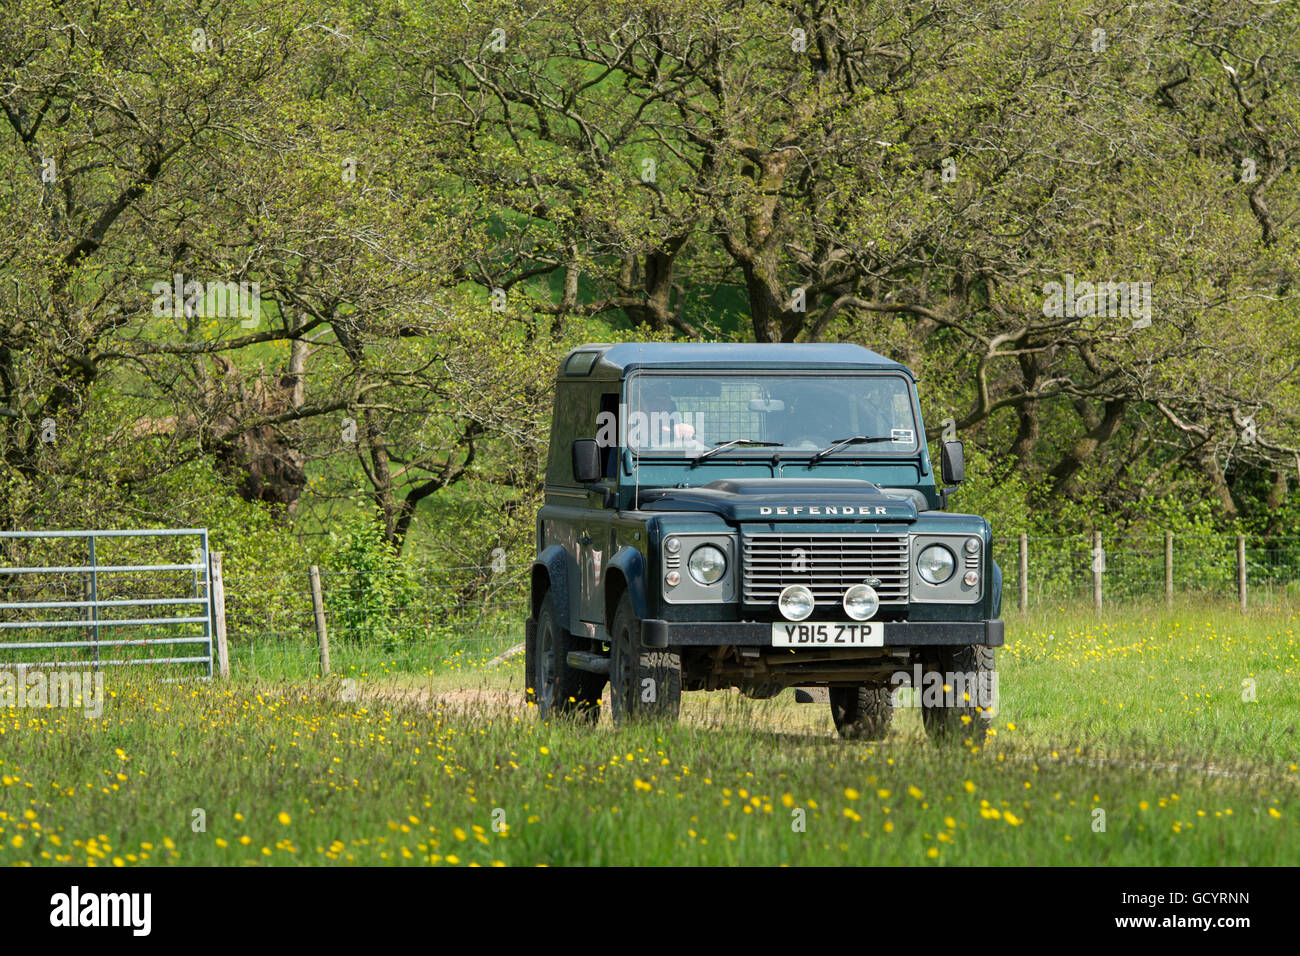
1027,434
1065,473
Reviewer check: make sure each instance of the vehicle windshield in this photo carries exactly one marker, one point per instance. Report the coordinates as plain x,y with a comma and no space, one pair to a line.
769,413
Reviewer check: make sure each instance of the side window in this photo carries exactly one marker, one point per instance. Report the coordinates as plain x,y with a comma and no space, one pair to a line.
607,431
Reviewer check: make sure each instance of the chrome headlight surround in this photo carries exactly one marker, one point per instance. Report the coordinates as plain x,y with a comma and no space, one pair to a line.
967,558
688,586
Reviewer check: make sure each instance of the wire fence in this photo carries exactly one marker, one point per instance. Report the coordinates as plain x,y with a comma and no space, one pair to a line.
1039,570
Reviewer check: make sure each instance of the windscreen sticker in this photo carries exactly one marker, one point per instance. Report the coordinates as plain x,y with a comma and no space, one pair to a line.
901,436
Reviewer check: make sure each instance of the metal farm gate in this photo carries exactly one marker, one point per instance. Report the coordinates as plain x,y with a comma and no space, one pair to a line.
91,587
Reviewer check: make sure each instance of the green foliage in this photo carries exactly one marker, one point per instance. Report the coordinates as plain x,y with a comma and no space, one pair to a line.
371,595
1133,538
381,224
993,490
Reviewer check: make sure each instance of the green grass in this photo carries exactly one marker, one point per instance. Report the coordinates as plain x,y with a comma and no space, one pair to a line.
1138,714
1143,679
417,653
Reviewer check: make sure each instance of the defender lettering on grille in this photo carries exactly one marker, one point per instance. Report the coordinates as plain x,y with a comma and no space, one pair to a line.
827,510
826,564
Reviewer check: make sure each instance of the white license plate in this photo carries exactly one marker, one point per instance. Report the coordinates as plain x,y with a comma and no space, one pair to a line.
828,634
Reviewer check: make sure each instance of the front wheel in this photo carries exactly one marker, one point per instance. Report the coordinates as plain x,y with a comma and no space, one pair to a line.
644,682
959,693
863,712
553,685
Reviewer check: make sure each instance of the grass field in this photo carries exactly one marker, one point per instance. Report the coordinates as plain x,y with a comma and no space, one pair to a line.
1139,737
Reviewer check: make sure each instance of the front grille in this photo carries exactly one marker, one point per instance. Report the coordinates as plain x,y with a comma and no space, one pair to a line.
826,564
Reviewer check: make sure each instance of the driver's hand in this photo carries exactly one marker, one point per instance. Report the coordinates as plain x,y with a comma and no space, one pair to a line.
678,433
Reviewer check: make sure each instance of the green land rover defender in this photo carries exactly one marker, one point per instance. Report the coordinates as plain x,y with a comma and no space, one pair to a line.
757,517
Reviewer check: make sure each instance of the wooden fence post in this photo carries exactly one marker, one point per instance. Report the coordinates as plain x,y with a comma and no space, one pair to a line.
1241,570
318,605
219,614
1169,569
1098,566
1024,572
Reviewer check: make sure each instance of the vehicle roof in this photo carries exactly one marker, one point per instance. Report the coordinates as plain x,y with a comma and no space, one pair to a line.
615,361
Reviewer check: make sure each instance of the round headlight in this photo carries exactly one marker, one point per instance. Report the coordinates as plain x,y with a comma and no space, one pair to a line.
861,602
707,564
935,564
796,602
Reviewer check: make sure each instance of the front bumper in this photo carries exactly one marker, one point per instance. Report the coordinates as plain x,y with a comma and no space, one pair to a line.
655,633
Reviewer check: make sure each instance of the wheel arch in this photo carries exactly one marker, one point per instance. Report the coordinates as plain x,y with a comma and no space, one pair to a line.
549,574
625,575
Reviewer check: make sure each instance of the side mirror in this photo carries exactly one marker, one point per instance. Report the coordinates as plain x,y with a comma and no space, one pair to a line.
953,463
586,460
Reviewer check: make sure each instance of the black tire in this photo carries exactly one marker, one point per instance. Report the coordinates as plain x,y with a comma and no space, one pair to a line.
957,721
863,712
645,682
557,688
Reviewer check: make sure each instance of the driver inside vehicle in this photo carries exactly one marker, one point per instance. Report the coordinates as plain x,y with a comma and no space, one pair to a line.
664,425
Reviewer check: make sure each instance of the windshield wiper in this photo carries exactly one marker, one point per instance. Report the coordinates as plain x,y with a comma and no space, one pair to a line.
729,444
841,442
